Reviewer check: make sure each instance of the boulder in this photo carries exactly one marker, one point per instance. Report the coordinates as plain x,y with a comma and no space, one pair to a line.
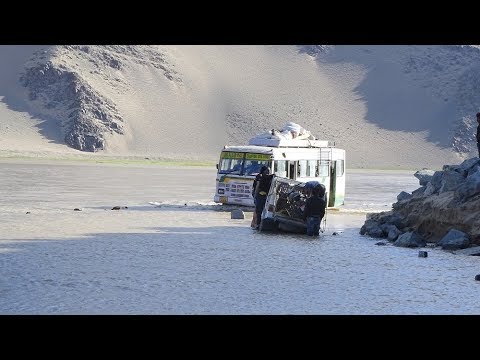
410,239
237,214
454,240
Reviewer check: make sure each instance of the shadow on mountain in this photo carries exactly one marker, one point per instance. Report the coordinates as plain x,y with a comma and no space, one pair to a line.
398,93
12,61
47,127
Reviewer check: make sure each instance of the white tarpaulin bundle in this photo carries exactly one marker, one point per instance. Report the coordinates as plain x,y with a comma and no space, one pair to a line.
290,131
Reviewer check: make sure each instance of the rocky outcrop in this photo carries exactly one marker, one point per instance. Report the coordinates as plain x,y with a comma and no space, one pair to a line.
84,114
445,210
63,87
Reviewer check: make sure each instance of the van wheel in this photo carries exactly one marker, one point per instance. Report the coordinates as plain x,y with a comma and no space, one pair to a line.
275,226
260,227
267,225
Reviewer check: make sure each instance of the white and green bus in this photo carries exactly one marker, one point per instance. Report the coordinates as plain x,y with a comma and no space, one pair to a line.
298,159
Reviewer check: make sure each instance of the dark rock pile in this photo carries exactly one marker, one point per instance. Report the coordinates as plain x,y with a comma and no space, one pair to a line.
444,210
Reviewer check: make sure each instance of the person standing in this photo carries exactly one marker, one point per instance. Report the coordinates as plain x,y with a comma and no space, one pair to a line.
478,133
253,224
315,210
262,185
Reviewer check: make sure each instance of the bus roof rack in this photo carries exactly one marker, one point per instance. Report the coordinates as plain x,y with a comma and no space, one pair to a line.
304,143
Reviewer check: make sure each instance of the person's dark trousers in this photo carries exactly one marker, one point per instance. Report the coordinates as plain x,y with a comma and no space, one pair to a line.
259,205
478,146
313,225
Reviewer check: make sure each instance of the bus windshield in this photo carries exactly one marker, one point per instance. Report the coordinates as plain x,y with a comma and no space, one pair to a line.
239,163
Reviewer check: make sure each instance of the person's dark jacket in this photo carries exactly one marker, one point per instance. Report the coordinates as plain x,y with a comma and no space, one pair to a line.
263,182
314,206
478,133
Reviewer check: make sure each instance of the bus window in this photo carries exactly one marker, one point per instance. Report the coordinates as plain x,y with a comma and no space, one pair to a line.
231,162
252,167
228,166
280,168
340,167
323,169
237,166
312,168
302,168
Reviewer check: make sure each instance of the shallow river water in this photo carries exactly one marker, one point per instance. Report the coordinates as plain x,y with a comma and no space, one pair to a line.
173,251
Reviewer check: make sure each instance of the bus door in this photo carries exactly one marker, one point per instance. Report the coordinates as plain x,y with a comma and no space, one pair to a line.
337,183
292,172
333,183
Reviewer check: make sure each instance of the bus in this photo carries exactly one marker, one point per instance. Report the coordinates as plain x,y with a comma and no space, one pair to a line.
301,160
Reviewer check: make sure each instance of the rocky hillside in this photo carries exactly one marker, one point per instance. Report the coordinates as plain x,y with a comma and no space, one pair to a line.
58,88
388,106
